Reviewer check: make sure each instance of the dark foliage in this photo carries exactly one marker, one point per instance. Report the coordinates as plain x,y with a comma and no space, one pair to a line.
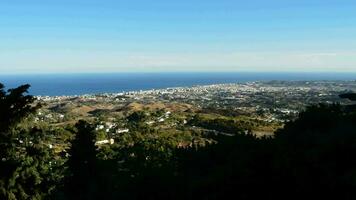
350,96
137,117
311,157
221,125
82,179
27,167
14,106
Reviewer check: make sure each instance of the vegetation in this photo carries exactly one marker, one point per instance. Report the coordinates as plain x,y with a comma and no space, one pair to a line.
209,158
81,180
27,168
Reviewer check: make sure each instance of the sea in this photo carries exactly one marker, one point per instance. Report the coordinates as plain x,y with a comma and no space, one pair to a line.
91,83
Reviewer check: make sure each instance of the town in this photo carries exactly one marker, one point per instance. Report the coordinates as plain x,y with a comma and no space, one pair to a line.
262,107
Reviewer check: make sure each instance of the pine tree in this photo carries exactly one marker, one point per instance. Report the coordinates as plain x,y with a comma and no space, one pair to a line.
82,164
26,171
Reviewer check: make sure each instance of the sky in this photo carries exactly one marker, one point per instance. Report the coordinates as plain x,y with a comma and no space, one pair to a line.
70,36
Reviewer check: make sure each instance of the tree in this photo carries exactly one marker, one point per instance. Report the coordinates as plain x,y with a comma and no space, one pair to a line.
350,96
137,117
25,158
310,157
316,153
82,164
15,106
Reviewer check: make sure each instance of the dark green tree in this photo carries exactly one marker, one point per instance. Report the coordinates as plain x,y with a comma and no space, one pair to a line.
25,158
137,117
82,164
15,106
350,96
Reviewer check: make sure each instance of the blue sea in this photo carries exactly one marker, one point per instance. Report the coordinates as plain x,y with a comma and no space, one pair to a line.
78,84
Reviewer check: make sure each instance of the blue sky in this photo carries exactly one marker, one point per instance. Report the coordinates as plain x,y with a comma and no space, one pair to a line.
50,36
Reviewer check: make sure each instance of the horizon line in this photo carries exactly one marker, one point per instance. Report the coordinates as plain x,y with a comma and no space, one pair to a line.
180,72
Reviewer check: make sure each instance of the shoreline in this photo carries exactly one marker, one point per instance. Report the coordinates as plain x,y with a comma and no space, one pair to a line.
172,89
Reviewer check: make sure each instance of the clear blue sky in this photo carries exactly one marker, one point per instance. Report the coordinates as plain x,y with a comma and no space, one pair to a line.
45,36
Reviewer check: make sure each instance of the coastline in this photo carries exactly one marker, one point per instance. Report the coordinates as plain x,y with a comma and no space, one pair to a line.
84,84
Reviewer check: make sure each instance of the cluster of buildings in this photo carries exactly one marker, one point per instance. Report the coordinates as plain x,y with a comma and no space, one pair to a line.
274,98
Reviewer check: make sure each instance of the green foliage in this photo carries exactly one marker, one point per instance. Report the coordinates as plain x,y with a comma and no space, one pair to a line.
14,106
220,124
137,117
312,156
28,169
350,96
101,135
82,164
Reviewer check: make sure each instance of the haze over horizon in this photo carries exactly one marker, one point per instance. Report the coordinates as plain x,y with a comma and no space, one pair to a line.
64,36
